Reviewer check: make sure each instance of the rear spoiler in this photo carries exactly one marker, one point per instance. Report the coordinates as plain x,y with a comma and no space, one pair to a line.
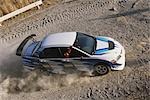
21,46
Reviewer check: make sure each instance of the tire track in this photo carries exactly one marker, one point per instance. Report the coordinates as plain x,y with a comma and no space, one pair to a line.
80,11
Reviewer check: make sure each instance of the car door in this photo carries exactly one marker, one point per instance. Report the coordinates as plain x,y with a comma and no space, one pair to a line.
78,59
51,59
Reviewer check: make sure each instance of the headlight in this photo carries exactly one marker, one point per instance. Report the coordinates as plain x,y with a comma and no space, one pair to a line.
118,57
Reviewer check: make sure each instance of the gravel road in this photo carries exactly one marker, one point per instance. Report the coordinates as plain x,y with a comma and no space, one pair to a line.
127,21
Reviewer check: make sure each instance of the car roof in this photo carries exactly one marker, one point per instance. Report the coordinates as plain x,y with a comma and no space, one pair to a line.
59,39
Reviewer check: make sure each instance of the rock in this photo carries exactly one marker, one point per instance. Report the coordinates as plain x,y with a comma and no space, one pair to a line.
67,1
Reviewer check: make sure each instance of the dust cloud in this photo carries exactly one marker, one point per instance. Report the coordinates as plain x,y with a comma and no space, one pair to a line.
13,78
34,81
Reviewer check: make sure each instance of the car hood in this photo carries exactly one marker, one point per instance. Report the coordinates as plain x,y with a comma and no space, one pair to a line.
102,45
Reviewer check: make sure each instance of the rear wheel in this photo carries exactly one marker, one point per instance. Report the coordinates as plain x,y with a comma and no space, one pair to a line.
101,69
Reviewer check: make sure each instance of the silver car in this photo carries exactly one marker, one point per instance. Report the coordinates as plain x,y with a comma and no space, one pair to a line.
76,51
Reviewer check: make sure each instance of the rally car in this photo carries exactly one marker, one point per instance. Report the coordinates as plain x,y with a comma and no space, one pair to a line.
59,52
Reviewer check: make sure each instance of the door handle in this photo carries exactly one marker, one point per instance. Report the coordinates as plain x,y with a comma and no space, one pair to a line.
65,60
43,60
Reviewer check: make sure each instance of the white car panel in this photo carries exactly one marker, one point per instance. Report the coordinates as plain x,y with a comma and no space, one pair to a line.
101,45
104,49
66,38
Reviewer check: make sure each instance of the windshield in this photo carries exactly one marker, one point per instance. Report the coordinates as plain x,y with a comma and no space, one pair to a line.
85,42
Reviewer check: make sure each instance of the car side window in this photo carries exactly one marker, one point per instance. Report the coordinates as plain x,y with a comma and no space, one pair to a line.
50,53
71,53
76,53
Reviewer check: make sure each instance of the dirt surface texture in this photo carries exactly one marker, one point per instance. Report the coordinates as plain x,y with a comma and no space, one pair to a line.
127,21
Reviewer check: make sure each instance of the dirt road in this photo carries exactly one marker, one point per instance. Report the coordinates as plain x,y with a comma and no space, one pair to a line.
127,21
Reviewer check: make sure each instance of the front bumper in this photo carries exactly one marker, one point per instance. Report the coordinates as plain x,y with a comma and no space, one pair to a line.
120,62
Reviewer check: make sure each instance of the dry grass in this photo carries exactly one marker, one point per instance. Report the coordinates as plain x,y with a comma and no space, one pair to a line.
7,6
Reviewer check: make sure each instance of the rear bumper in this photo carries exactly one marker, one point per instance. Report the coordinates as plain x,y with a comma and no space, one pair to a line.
30,63
27,68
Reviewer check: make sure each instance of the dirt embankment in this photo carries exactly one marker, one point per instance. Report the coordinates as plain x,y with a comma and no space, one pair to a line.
8,6
127,21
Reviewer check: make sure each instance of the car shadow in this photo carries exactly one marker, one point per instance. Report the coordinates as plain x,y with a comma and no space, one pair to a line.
136,62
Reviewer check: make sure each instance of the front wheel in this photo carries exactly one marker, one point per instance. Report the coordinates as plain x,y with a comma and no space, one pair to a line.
101,69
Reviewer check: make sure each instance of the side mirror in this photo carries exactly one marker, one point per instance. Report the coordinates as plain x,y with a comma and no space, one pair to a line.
81,57
93,52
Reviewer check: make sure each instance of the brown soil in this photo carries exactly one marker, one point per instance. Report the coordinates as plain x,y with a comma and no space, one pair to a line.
8,6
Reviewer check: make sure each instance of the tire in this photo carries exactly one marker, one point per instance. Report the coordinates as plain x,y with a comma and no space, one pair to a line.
101,69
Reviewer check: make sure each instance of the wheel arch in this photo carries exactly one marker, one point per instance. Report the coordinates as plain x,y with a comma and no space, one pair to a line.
104,62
